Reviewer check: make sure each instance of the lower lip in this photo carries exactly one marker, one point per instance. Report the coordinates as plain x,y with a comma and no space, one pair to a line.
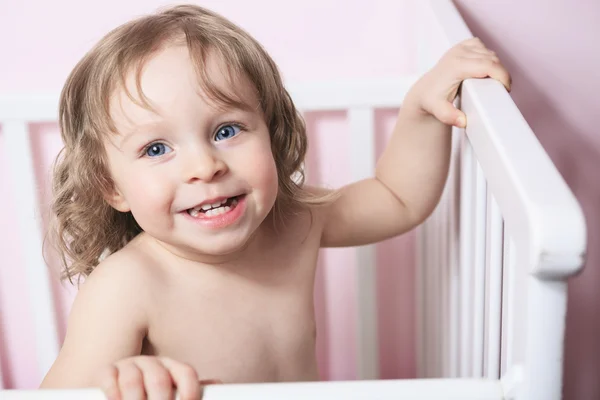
222,220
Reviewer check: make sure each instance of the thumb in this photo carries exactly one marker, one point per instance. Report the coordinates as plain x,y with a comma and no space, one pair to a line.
450,115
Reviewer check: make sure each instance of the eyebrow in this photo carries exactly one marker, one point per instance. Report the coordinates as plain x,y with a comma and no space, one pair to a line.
138,129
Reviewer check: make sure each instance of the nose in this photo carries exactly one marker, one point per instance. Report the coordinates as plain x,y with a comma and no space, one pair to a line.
203,165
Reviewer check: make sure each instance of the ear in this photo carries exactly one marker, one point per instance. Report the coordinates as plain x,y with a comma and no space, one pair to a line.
117,201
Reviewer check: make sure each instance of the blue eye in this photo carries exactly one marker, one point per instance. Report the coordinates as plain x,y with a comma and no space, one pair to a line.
227,132
156,149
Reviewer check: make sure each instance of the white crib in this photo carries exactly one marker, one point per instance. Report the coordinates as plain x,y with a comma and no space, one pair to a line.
494,258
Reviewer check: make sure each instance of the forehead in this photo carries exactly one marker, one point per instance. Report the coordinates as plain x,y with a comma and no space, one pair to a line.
168,85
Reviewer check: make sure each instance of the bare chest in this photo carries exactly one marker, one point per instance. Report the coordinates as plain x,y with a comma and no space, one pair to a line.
251,327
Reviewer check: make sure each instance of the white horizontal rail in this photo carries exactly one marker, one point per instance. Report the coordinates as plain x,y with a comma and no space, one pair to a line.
536,203
422,389
308,96
351,94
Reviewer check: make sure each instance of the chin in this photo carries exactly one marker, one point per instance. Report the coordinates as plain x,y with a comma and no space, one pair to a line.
223,244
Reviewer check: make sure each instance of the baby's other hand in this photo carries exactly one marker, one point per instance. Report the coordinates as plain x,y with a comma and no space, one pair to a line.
437,89
146,377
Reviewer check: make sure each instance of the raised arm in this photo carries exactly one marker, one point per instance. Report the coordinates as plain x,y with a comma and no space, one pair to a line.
412,171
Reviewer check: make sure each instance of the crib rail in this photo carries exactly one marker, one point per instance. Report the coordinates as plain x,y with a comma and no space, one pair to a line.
496,254
427,389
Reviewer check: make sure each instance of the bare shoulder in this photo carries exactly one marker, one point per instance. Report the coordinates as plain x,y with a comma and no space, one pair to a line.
310,220
121,275
131,268
108,319
320,212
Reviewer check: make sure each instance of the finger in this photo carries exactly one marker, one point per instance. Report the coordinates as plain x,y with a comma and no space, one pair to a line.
481,55
480,51
449,115
157,379
109,383
473,42
485,67
185,378
131,382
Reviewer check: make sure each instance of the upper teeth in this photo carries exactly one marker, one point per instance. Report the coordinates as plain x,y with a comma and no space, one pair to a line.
206,207
213,205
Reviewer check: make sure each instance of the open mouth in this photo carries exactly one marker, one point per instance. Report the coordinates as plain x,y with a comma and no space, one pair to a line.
214,209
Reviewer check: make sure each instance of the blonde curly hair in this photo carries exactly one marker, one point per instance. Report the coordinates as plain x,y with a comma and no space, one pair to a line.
84,226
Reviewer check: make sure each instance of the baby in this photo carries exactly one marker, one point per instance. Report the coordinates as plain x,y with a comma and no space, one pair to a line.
179,198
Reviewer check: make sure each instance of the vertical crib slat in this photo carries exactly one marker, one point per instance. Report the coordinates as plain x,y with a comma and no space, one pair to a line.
434,293
466,240
443,292
493,289
420,327
478,272
362,153
427,298
508,275
454,288
20,161
430,299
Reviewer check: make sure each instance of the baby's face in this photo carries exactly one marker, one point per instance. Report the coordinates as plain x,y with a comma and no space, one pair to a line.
198,179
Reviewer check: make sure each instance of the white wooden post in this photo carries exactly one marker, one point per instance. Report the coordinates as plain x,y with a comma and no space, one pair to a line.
20,161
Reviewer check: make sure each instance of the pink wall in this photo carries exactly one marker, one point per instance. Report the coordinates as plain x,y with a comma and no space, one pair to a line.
553,53
42,40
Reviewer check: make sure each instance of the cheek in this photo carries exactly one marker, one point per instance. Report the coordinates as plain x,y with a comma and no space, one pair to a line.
261,171
146,193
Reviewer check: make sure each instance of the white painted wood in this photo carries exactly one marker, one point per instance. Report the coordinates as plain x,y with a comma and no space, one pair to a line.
478,249
425,58
512,381
434,296
536,203
308,96
544,228
507,303
427,304
543,347
493,303
429,389
443,15
21,170
350,94
530,192
453,257
466,264
361,122
444,295
30,107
